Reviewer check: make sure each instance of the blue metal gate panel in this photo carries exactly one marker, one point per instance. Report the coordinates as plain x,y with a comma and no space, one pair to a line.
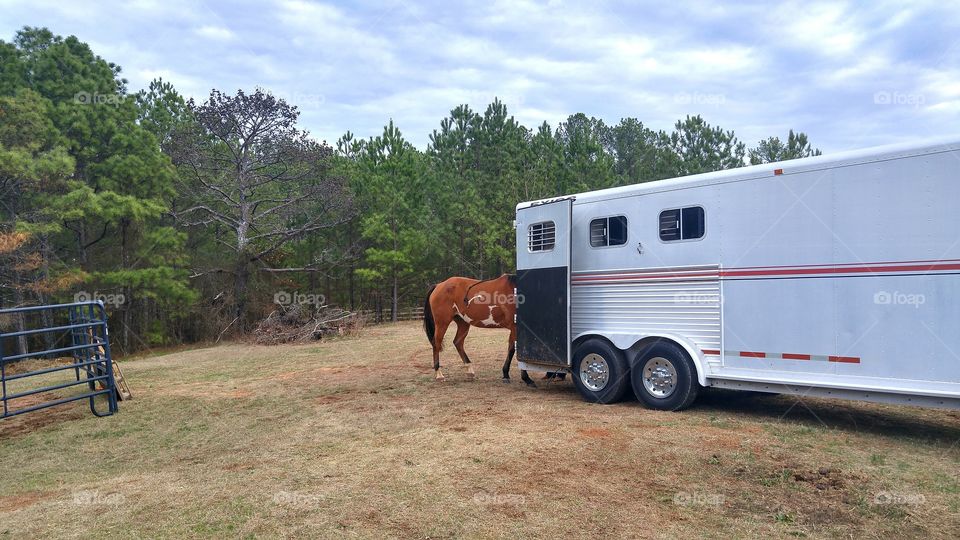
89,347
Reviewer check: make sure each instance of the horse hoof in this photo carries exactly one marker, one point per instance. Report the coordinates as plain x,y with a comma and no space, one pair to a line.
505,380
531,384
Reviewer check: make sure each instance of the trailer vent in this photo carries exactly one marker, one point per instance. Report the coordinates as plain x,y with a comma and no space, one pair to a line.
541,236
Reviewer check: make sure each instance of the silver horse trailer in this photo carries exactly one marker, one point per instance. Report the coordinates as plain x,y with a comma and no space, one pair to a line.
832,276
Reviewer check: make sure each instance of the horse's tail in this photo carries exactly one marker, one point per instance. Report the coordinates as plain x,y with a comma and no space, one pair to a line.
428,325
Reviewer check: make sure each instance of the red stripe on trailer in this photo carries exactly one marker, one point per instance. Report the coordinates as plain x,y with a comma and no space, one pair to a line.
711,352
788,356
878,263
844,359
640,276
765,271
842,270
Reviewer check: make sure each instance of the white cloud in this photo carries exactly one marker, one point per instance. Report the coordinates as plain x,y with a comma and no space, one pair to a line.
216,33
826,28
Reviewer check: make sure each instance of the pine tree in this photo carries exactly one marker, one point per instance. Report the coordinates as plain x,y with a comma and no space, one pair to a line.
773,149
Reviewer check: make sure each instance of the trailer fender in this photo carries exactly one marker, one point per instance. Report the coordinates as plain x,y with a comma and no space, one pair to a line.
634,343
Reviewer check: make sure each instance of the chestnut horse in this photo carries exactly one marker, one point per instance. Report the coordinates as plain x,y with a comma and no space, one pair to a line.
465,301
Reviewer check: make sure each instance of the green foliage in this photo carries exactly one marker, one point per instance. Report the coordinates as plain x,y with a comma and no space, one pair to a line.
640,154
162,111
390,188
699,147
81,176
773,149
586,164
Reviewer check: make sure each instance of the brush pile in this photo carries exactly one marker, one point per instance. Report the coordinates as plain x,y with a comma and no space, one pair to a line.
298,323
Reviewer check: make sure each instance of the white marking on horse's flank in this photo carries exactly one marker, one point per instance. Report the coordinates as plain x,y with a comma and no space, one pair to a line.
489,320
466,319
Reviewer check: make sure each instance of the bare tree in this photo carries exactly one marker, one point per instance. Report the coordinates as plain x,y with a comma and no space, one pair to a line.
245,166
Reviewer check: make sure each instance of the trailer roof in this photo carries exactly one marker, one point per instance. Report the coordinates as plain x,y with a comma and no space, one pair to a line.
839,159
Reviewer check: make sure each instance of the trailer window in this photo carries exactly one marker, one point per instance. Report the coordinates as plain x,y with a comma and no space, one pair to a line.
682,224
541,236
608,231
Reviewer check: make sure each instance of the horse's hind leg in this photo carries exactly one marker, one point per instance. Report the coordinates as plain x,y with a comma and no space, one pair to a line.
462,328
439,331
511,350
525,377
509,360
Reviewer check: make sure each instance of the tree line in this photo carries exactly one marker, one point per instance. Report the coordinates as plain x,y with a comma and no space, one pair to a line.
193,219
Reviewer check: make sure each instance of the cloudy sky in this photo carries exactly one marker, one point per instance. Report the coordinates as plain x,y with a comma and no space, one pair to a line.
850,75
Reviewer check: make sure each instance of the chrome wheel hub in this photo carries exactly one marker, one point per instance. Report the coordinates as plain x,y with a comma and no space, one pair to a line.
594,372
659,377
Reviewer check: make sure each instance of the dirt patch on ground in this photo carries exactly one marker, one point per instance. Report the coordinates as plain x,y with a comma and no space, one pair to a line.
12,503
35,364
824,478
29,422
327,400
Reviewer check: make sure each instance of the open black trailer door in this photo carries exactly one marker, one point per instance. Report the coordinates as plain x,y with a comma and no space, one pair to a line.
543,283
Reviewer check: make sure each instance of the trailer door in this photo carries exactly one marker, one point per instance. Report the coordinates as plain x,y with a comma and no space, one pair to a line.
543,283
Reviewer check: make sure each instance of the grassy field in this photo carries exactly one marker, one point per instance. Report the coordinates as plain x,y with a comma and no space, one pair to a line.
353,438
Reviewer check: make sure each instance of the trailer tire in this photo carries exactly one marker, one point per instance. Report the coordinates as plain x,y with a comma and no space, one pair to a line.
664,378
605,374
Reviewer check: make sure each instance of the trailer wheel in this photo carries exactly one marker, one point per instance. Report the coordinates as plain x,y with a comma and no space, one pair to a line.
600,372
664,377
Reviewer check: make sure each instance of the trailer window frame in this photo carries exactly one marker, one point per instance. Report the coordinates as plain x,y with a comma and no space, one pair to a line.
680,209
626,231
548,230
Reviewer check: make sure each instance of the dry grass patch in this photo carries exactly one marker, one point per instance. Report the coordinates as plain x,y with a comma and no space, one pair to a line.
353,437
